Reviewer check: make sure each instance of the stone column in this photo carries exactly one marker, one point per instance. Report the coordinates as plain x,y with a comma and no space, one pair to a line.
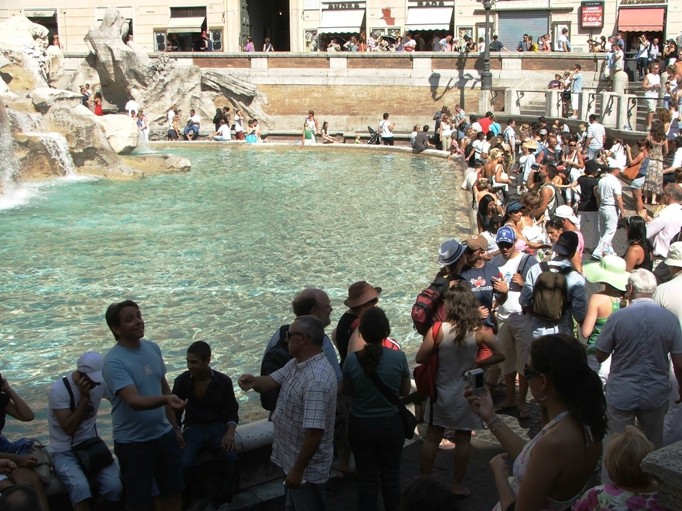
510,105
587,104
484,102
620,82
553,104
625,101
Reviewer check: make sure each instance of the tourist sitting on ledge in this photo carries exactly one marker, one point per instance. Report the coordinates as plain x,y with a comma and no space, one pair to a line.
191,131
223,132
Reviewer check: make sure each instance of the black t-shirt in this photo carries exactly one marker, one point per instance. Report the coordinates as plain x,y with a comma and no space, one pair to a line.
588,201
344,331
421,142
496,46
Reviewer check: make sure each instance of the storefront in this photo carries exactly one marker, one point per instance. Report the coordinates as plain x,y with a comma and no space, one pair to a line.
512,25
430,17
184,31
634,20
339,21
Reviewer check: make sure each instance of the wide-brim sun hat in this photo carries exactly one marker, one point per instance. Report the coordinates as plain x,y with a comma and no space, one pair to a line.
674,257
359,293
609,270
450,252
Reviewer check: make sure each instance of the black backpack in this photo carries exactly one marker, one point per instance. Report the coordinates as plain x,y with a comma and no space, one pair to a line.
550,293
275,358
427,304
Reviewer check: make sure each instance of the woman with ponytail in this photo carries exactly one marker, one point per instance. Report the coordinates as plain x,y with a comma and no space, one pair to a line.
376,432
551,470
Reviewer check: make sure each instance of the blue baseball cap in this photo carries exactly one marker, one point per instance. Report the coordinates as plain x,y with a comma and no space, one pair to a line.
505,234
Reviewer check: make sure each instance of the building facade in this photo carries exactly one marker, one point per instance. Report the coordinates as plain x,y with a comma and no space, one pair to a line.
310,25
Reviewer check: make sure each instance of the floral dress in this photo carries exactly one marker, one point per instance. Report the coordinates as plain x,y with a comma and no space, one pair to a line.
609,497
654,175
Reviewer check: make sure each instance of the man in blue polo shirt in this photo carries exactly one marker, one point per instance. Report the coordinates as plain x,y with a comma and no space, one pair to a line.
147,438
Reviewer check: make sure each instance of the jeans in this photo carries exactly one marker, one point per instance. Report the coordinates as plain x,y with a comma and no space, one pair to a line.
143,463
201,437
77,484
650,422
608,223
309,497
377,446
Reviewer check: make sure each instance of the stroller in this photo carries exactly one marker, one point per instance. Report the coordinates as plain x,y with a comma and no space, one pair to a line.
374,137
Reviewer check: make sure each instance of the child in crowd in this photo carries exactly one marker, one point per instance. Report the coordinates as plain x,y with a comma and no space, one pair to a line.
631,489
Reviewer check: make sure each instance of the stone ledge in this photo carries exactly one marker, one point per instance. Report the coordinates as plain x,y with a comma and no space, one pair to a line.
665,465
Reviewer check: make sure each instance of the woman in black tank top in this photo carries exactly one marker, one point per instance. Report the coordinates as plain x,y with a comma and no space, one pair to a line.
639,253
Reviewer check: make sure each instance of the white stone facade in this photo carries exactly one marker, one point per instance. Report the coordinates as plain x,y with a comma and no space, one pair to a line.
229,22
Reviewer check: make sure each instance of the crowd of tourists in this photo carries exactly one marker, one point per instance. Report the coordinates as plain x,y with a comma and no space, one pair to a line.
509,300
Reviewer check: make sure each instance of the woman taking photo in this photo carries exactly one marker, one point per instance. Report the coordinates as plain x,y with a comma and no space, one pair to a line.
640,252
653,182
551,470
458,340
376,433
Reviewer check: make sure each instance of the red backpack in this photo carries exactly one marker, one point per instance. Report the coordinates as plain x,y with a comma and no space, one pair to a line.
425,374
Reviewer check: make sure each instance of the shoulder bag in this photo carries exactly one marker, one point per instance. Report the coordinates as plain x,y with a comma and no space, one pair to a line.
425,374
633,171
92,454
408,418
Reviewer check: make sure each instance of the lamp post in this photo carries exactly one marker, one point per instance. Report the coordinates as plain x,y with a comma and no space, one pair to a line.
486,75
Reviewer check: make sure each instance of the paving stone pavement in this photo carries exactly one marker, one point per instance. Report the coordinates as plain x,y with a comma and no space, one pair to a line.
479,479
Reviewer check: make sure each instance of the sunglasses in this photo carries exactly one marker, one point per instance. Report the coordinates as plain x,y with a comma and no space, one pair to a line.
291,334
530,373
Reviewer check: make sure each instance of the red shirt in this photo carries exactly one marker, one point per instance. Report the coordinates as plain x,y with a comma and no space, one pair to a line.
485,123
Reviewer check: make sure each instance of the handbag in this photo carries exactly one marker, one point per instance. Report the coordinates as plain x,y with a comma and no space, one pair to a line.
92,454
45,464
632,171
408,418
425,374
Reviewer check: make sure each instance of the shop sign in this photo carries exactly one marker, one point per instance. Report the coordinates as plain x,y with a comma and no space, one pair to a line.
592,15
342,6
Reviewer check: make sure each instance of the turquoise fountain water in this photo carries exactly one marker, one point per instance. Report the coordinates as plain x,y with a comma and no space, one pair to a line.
214,255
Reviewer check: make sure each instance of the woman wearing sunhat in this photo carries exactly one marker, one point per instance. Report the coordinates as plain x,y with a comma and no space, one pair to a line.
611,272
361,296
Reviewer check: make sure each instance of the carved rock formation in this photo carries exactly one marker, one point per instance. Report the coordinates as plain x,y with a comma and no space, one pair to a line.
122,70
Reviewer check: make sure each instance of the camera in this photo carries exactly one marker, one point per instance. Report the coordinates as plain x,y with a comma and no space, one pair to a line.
475,380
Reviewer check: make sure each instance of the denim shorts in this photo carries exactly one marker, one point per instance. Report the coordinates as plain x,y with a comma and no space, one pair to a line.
143,463
77,484
638,183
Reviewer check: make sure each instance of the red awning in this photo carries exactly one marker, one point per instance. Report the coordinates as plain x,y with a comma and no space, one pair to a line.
641,20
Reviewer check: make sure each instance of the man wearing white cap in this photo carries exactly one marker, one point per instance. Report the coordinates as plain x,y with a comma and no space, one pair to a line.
73,403
668,296
572,223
